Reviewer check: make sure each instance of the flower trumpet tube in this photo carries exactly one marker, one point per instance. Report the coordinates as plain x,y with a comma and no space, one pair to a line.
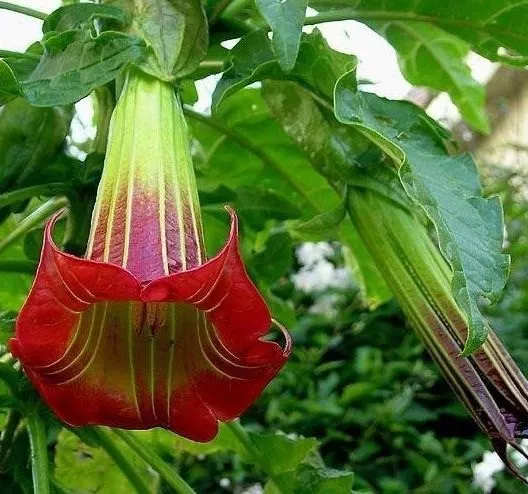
488,382
144,331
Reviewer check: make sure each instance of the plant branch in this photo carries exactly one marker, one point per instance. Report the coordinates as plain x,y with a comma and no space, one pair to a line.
50,189
155,461
33,220
114,451
39,454
23,10
18,54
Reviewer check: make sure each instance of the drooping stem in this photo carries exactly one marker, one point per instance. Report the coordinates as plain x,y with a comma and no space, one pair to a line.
155,461
34,219
23,10
39,454
107,442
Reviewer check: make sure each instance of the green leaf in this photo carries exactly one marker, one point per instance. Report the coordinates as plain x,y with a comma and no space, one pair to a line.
495,29
253,59
287,172
74,64
29,138
469,227
256,205
7,326
283,453
9,87
312,476
176,32
86,469
14,287
274,259
294,465
286,18
77,15
335,152
324,222
225,441
429,56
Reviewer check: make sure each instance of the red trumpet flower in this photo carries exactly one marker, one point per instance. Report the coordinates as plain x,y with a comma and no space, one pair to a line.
144,332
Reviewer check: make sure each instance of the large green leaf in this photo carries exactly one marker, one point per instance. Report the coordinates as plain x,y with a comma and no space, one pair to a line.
87,469
294,465
286,18
287,173
9,87
74,64
30,139
496,29
430,56
14,287
253,59
76,15
469,227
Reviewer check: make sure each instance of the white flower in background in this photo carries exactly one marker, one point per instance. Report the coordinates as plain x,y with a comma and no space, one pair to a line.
325,305
225,483
317,273
484,471
491,464
254,489
311,253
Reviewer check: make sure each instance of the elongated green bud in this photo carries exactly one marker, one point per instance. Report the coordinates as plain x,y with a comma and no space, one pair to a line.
489,383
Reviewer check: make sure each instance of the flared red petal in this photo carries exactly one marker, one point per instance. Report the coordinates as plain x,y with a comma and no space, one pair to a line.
181,352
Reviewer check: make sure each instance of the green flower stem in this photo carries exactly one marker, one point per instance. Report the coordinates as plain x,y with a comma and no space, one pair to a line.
115,452
156,462
51,189
34,219
24,266
17,54
23,10
39,454
13,419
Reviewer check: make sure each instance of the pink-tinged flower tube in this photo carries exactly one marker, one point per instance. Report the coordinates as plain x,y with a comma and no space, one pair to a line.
145,331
